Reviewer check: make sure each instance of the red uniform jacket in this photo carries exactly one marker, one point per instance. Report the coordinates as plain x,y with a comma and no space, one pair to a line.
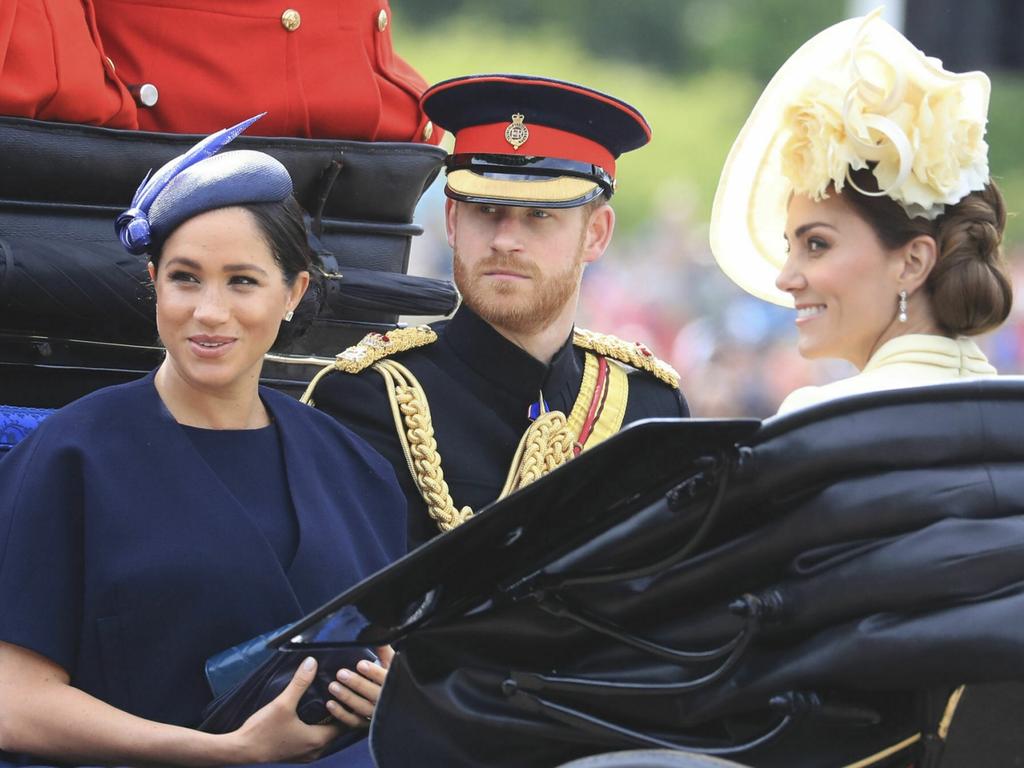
320,68
53,67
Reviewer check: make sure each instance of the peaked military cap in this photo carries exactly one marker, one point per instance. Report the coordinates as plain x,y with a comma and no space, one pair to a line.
532,141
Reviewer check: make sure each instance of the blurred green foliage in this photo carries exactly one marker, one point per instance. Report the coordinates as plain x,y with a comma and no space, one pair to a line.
693,67
668,35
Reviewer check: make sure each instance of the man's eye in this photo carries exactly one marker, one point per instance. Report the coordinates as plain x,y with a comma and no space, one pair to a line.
540,213
487,209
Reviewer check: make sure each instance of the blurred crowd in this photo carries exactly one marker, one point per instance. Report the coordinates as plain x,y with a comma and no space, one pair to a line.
659,284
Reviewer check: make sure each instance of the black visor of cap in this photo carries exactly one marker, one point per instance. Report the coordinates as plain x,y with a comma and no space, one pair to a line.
516,168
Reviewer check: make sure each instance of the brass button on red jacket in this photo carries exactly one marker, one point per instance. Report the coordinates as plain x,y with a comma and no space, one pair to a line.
319,68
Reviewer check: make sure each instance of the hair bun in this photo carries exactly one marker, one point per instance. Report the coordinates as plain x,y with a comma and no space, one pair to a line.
970,284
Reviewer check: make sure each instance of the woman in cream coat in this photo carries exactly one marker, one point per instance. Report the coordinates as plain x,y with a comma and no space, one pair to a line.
858,193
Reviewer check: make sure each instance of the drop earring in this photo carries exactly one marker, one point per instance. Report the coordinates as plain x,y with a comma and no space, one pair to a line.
290,314
902,316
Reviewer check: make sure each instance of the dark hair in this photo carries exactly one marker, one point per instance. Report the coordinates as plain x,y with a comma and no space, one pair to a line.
969,287
283,229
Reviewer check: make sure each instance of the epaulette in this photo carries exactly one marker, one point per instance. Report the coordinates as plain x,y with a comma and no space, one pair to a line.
631,353
377,346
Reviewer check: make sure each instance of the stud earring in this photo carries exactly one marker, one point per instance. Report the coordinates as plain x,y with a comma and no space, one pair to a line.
290,314
902,316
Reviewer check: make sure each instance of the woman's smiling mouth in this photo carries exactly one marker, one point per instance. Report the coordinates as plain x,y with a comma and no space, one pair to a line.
805,312
210,346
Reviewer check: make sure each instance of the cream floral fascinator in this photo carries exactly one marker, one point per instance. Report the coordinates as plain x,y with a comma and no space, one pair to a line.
856,95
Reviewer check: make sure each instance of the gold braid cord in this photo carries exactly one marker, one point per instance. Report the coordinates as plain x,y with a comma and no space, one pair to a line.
545,445
631,353
942,731
416,433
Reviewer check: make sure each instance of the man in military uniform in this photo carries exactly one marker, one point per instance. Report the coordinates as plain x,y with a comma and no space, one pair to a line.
470,409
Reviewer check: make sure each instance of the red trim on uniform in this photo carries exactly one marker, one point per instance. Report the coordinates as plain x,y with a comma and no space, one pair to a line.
596,405
543,141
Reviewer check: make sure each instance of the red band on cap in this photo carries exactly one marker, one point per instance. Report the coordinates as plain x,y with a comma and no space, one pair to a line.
543,141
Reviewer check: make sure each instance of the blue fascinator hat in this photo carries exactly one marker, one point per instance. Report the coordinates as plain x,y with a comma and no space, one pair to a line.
198,181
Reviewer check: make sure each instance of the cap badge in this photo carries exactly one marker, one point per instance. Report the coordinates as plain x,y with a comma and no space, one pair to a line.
516,133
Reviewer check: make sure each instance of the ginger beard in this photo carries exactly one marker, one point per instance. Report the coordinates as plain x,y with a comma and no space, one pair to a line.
522,307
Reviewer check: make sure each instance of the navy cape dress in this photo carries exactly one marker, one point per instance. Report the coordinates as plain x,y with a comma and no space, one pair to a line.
126,560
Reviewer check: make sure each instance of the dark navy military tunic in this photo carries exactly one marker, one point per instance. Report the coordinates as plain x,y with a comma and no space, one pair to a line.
126,560
479,387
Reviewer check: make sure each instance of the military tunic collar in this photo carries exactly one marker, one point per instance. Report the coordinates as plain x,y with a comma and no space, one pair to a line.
507,366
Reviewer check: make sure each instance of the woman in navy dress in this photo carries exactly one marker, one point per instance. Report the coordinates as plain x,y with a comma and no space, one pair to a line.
151,525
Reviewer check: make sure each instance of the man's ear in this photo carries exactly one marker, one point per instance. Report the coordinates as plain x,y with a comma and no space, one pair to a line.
598,232
152,270
451,213
917,262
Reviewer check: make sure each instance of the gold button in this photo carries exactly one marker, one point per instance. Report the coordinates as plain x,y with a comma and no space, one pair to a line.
382,20
291,20
428,131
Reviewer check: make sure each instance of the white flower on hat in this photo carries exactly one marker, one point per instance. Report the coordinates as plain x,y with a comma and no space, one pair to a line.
950,156
818,151
914,121
856,95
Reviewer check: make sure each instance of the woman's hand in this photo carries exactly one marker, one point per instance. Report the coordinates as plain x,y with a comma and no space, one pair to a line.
359,691
42,714
275,733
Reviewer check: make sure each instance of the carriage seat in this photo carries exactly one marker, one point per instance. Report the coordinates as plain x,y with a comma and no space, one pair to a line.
16,422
